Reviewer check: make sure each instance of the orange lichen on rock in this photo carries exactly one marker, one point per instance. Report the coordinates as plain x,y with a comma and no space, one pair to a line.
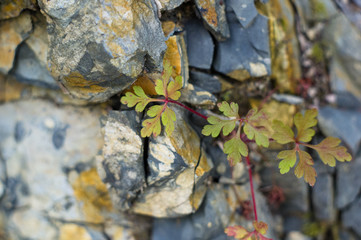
209,12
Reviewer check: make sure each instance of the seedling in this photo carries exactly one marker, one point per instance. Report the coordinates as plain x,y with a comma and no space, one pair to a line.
254,127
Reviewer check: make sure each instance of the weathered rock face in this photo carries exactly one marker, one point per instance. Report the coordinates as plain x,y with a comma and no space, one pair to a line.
96,49
246,54
13,32
122,165
177,167
170,4
10,8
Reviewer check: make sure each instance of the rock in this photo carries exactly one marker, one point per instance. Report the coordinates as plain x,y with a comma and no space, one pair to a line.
200,45
97,50
345,64
294,235
205,81
207,223
351,217
284,46
347,100
11,9
322,198
31,57
13,32
214,16
170,4
348,182
197,96
177,167
344,124
245,11
122,166
247,53
287,98
312,11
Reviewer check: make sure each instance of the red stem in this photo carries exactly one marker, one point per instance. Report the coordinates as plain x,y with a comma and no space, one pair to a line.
188,108
252,189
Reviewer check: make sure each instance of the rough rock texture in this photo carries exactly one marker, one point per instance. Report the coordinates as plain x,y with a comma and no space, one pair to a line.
247,53
170,4
97,49
348,185
31,59
11,8
323,198
122,166
13,32
311,11
198,96
177,167
331,118
214,16
351,217
205,81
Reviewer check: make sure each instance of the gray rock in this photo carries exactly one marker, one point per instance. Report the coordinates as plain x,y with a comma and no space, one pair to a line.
97,49
357,2
245,11
13,32
347,100
214,16
344,124
294,235
205,81
207,223
351,217
170,4
122,167
311,11
348,182
246,54
323,198
197,96
10,8
200,45
177,167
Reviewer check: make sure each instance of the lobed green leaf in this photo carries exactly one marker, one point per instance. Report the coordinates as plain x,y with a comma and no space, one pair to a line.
304,123
229,110
289,158
216,125
282,134
235,149
173,88
304,168
168,119
138,98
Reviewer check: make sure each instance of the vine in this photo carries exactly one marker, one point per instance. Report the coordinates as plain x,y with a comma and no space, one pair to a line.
254,127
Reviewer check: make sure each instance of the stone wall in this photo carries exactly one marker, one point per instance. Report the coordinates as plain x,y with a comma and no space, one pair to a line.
74,166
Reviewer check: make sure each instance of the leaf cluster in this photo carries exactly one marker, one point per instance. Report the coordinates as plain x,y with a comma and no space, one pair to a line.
239,232
157,114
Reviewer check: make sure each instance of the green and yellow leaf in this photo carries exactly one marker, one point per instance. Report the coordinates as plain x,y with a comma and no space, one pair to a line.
173,88
257,127
260,227
329,150
237,232
229,110
288,160
304,124
168,119
216,125
304,168
153,124
138,98
235,149
282,134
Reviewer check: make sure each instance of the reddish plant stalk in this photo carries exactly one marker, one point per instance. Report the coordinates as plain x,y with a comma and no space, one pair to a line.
188,108
252,189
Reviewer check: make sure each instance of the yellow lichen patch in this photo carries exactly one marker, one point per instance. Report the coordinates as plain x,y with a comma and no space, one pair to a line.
147,82
93,195
76,82
173,55
12,8
239,74
73,231
209,11
10,89
283,43
168,27
197,197
203,165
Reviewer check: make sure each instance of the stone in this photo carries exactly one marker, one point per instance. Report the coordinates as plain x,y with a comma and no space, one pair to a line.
13,32
205,81
200,46
247,53
11,8
122,165
344,124
197,96
284,46
177,167
351,217
345,64
294,235
207,223
348,182
31,57
245,11
316,10
170,4
323,198
347,100
214,17
97,49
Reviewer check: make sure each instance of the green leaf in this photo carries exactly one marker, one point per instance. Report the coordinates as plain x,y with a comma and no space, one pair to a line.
282,134
152,125
304,168
168,119
229,110
216,126
138,98
304,123
256,127
159,88
329,150
234,148
173,88
238,232
289,160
